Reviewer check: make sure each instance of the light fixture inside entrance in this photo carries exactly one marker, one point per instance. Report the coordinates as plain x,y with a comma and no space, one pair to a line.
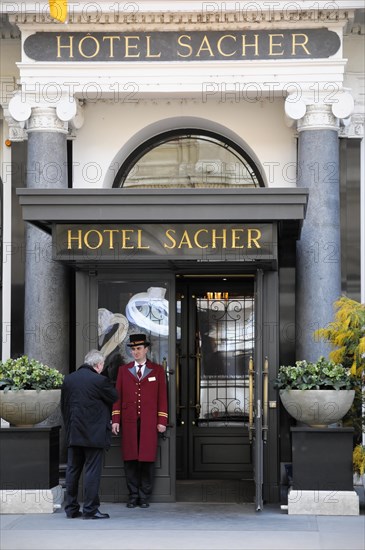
217,295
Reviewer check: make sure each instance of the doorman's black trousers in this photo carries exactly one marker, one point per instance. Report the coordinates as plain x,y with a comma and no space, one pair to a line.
139,477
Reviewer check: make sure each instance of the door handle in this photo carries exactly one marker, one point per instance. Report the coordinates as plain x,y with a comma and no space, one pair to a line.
265,381
250,399
164,364
163,434
197,356
178,406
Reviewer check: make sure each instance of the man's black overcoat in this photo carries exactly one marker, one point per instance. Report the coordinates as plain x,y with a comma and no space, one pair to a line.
86,401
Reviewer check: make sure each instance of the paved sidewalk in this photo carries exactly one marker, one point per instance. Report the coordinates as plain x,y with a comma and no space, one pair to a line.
183,526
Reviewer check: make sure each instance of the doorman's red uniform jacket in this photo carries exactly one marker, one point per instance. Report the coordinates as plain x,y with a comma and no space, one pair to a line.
146,399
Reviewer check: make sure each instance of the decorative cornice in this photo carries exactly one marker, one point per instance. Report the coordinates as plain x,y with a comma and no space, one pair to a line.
7,29
111,15
45,119
354,128
7,88
16,131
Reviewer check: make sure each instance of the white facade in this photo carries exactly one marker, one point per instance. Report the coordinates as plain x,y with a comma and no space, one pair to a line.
281,81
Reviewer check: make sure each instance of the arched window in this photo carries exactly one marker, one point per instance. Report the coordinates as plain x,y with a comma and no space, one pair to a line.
186,159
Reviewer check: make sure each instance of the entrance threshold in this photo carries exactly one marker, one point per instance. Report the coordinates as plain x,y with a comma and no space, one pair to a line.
236,491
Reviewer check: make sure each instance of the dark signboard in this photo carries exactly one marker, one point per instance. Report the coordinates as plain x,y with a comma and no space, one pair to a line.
182,46
201,242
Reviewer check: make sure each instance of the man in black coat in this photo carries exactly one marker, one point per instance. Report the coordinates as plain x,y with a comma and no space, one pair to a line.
86,402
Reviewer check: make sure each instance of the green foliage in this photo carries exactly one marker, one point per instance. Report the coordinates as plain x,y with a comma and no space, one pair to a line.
358,459
322,375
28,374
347,334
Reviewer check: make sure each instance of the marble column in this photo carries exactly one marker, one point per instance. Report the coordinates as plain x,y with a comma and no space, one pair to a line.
46,322
318,251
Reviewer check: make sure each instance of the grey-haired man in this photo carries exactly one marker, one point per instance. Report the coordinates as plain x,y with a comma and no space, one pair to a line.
86,402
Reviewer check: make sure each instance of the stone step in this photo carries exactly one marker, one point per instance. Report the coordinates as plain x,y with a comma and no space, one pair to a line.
213,490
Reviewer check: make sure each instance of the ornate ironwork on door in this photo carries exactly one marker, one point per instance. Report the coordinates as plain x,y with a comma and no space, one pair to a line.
224,342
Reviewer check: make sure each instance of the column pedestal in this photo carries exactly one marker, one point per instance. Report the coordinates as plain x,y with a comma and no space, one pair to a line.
323,503
322,472
29,470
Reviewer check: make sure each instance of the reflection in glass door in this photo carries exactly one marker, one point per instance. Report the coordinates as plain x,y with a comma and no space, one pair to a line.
134,307
127,307
224,343
213,354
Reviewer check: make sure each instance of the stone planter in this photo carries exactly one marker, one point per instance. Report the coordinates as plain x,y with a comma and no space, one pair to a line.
28,407
317,408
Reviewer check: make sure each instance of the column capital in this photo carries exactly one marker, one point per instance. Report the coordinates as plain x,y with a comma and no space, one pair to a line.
353,127
15,128
45,119
58,117
318,116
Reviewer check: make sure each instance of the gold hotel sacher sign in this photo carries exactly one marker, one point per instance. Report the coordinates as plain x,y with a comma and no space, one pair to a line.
182,46
200,242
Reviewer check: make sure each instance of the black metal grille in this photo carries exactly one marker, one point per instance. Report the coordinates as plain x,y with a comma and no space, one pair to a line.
224,343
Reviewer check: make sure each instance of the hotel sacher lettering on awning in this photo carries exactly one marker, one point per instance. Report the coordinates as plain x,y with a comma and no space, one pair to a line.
200,242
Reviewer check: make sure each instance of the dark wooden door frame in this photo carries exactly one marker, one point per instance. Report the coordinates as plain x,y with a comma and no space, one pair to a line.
189,436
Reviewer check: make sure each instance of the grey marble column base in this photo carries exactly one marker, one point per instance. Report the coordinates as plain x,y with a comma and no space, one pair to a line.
323,503
31,501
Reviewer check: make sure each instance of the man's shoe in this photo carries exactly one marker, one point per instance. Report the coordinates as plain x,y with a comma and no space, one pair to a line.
132,504
97,515
74,515
144,504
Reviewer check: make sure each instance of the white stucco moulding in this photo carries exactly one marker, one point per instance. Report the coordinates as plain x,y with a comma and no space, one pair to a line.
115,80
267,8
66,109
318,116
311,115
16,129
344,106
19,110
45,119
9,6
78,119
295,109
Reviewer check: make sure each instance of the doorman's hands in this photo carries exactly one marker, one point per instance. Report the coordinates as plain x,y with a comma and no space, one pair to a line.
161,428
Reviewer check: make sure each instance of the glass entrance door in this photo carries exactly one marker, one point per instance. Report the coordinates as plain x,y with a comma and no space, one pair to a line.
124,307
214,346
